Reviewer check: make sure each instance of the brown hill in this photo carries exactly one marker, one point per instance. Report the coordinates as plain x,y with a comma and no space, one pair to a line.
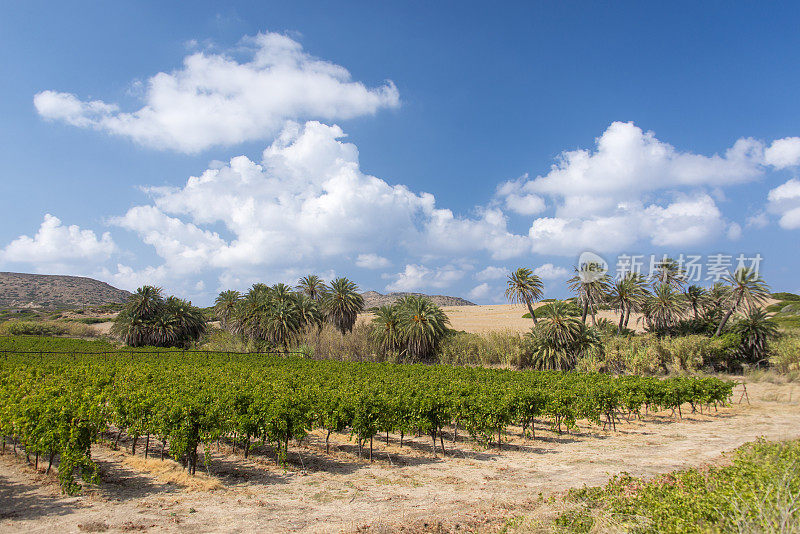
20,290
374,299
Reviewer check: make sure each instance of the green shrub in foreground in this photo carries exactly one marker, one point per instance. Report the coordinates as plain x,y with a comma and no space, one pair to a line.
758,492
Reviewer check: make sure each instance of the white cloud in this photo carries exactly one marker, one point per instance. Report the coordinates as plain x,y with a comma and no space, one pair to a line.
372,261
548,271
734,231
688,221
784,201
759,220
783,153
418,277
306,203
491,273
56,245
215,100
480,292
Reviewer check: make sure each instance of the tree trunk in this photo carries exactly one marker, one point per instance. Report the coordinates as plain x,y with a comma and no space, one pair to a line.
133,445
585,311
433,437
621,318
50,462
727,316
146,446
628,315
370,448
328,442
530,309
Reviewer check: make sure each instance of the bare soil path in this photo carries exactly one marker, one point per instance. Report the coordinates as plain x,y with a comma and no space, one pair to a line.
472,489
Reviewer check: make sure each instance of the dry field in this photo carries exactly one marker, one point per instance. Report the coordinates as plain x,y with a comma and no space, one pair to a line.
406,488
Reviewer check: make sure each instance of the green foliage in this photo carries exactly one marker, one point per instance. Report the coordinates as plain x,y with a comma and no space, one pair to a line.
571,309
342,303
525,287
16,327
785,354
757,492
149,319
756,331
60,403
786,296
560,339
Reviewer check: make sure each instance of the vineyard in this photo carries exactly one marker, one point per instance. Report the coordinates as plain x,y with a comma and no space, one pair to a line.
55,405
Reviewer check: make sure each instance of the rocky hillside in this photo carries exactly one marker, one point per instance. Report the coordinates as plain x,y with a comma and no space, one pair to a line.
374,299
19,290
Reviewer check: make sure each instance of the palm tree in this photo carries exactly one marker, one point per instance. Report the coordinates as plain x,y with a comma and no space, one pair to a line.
225,306
386,328
148,319
590,288
696,296
283,323
669,272
310,313
747,287
146,302
664,308
422,324
524,286
756,330
717,297
189,321
640,291
342,304
560,339
627,294
312,286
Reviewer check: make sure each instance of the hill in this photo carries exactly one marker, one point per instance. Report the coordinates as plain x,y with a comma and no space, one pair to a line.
374,299
20,290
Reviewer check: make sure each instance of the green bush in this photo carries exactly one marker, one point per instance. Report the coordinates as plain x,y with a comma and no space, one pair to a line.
785,357
786,296
757,492
45,328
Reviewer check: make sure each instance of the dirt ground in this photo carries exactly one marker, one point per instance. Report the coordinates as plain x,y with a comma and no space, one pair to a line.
405,488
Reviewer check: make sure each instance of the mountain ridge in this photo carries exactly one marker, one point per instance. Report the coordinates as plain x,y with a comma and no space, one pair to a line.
25,290
374,299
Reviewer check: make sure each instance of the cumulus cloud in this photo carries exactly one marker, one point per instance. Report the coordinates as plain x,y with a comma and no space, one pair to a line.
306,202
57,245
783,153
418,277
480,292
617,195
548,271
491,273
215,100
372,261
784,201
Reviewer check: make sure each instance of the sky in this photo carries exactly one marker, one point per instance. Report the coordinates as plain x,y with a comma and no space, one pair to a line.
405,145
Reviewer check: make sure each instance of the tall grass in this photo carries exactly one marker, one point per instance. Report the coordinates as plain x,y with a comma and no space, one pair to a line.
46,328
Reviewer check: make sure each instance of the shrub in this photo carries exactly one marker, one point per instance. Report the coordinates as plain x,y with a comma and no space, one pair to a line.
785,356
786,296
491,348
45,328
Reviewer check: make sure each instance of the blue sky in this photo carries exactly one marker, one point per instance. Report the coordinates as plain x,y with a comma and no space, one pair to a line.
406,146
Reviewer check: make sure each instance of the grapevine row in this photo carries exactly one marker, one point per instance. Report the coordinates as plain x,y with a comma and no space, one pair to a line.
56,406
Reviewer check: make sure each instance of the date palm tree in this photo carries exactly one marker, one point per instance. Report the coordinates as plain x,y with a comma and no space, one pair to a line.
664,308
696,296
756,330
386,328
625,295
525,287
225,306
313,287
669,272
560,338
190,322
342,304
590,287
746,287
149,319
310,314
422,324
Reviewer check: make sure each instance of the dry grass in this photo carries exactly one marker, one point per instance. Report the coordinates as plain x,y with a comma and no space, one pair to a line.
171,472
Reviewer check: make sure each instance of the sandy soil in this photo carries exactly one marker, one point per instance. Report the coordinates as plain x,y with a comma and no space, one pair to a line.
508,317
471,489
